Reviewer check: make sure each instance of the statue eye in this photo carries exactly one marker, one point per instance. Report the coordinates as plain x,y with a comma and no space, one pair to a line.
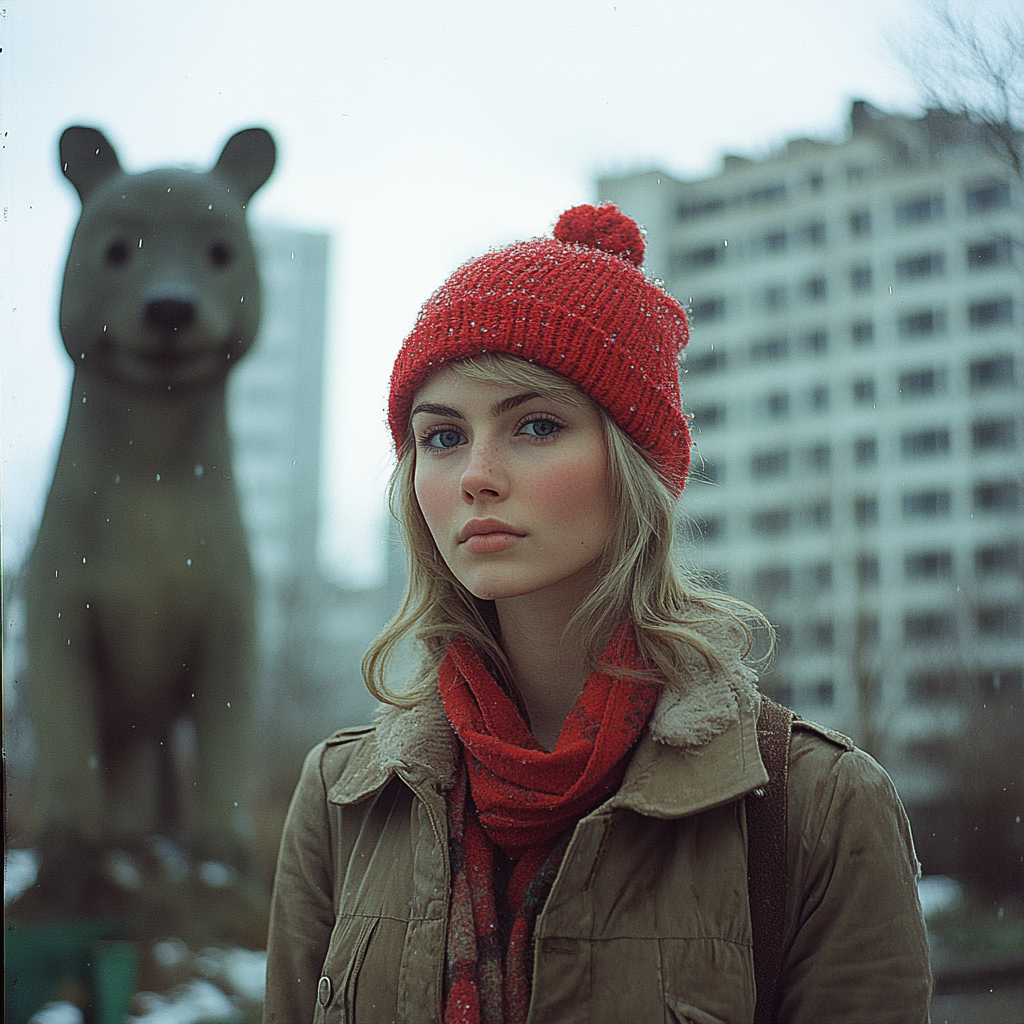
220,254
117,253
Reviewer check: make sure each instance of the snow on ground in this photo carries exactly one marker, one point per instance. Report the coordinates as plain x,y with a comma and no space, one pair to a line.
199,1000
20,869
938,893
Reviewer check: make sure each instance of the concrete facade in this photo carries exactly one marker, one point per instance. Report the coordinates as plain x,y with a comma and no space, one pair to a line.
313,632
856,377
276,404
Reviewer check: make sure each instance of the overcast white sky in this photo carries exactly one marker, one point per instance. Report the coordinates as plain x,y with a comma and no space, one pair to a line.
417,133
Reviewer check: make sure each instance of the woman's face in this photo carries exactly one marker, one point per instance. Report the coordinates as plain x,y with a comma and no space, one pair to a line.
512,485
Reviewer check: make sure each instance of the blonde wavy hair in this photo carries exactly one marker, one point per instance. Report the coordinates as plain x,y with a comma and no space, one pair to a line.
640,578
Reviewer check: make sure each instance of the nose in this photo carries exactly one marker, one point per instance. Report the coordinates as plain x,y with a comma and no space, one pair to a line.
170,314
484,477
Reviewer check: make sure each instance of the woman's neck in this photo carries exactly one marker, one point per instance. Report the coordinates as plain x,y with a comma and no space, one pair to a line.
549,665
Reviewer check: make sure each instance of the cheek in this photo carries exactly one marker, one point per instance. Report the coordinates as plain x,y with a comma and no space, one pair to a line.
575,496
435,502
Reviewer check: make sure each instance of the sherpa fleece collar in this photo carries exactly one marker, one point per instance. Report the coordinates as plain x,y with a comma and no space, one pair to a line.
710,728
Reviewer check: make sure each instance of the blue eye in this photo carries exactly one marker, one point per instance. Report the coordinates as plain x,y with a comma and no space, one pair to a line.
540,428
443,439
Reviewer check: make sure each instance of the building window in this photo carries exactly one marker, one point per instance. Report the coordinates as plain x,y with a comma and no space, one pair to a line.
819,515
926,504
919,210
990,313
923,444
825,693
773,581
920,627
708,416
819,458
863,332
868,573
931,686
821,636
705,362
922,324
922,383
860,279
865,510
994,434
998,559
816,342
709,472
689,260
928,264
771,522
1000,621
784,633
928,565
817,398
865,451
998,496
860,222
766,195
769,464
864,391
774,297
989,195
769,350
987,255
778,691
707,309
1006,683
820,577
992,373
813,289
813,233
712,529
868,630
698,208
771,243
777,405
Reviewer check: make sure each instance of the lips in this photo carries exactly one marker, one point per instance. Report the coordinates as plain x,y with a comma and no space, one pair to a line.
486,527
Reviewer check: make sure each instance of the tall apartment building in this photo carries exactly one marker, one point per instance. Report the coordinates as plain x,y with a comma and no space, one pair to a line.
275,404
855,375
313,633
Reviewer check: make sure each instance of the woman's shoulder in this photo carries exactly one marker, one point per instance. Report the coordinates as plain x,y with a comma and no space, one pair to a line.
835,785
418,741
326,762
813,740
818,753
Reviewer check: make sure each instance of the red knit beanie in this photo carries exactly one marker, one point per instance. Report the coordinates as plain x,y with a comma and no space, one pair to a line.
577,304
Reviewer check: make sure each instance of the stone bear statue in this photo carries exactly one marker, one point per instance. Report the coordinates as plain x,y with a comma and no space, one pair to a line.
139,591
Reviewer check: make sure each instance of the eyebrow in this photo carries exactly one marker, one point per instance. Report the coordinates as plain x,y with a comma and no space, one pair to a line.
437,410
499,408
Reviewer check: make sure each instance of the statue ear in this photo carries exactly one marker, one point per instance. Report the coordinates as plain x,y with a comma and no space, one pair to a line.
247,161
87,159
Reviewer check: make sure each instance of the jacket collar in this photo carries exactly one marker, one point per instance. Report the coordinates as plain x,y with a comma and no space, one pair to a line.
706,734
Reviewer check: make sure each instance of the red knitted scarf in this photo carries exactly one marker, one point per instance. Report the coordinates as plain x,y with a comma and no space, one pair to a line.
510,816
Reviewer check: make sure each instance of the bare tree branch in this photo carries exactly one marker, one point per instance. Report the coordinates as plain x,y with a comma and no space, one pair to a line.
973,65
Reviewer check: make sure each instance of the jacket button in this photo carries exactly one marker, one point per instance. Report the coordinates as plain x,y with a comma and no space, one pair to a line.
323,991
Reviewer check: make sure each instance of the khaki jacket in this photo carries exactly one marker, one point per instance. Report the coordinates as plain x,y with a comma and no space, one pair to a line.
648,916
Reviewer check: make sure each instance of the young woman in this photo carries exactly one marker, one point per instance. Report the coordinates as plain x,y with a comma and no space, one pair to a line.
552,819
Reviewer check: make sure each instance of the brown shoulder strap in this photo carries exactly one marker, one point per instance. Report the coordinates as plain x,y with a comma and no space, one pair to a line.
766,856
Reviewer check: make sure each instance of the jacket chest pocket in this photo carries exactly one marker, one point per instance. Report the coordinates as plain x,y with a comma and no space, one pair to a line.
336,991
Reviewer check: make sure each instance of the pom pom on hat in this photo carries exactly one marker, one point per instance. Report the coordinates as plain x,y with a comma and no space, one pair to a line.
577,304
603,227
